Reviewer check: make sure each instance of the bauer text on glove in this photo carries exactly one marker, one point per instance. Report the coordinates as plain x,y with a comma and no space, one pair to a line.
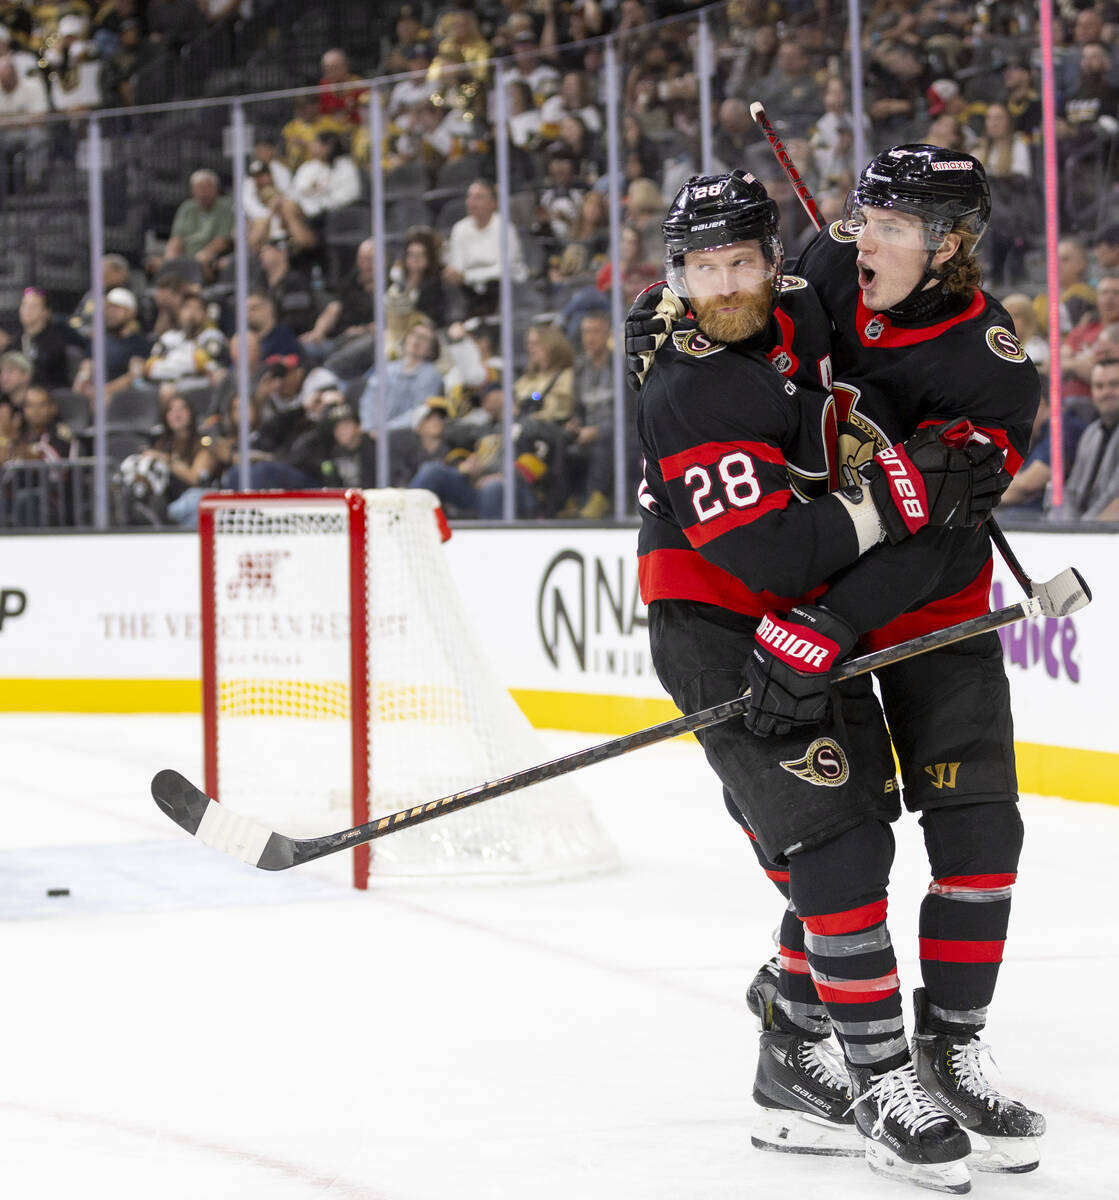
922,481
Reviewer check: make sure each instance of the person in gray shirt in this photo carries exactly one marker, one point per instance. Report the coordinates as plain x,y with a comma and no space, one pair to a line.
1092,488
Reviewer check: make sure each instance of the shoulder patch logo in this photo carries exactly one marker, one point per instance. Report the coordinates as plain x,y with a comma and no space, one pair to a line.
824,764
696,343
1005,344
792,283
838,232
781,360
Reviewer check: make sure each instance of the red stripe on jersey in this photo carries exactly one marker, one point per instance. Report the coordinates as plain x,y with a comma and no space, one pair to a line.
707,453
980,882
1000,439
891,336
686,575
970,601
748,832
734,518
850,921
940,950
778,876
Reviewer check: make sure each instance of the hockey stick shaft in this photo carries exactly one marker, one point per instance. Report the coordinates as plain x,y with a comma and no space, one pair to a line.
757,111
1064,593
254,843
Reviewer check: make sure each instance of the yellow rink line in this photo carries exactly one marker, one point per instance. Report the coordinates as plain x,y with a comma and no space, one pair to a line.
1087,775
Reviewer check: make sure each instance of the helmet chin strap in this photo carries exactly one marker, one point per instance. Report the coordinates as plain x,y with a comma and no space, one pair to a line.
919,302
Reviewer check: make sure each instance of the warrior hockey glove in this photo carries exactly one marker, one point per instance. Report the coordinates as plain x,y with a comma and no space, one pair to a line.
931,479
789,669
648,322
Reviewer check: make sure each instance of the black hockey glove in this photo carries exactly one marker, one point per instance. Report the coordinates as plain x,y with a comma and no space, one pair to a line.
648,322
789,669
936,477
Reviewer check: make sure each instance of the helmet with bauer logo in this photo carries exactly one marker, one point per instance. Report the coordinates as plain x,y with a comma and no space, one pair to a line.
947,189
719,210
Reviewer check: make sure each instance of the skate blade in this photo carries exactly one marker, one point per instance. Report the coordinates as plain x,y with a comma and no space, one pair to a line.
783,1131
938,1177
1004,1155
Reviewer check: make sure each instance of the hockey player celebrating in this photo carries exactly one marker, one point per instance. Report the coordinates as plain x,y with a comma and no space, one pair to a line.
724,555
915,336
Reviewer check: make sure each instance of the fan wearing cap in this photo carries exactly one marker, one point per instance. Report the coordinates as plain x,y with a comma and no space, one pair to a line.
413,90
330,448
126,50
73,67
266,183
124,341
945,99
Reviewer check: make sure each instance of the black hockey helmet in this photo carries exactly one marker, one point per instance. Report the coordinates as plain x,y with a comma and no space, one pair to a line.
719,210
947,189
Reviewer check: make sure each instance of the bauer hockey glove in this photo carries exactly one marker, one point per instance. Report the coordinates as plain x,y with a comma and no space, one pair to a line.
934,478
648,322
789,669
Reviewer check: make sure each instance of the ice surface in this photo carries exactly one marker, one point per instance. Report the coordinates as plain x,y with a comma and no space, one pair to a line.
182,1025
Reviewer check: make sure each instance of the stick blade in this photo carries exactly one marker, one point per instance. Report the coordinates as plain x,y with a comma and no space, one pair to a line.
1065,593
180,800
210,822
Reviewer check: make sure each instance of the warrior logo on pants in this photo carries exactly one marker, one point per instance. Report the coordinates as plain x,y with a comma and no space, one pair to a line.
824,764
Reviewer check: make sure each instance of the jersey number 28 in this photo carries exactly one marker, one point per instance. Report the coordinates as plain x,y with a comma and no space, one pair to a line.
736,483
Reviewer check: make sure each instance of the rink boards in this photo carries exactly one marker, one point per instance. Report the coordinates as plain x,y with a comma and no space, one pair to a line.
111,624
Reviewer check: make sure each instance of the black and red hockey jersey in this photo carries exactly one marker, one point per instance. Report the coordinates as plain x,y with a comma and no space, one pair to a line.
732,447
891,378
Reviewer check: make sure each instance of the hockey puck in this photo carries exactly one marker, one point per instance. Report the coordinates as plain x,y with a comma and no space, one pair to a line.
58,891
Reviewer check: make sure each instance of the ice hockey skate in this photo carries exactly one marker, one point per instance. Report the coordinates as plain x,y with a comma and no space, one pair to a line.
1004,1133
801,1086
761,992
908,1137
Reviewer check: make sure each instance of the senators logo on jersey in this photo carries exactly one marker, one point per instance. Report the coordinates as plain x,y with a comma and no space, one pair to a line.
824,764
851,438
1005,344
695,342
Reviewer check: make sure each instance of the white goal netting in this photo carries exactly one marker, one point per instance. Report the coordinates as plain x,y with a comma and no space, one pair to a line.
287,715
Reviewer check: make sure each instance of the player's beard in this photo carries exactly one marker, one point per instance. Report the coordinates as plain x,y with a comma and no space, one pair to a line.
749,316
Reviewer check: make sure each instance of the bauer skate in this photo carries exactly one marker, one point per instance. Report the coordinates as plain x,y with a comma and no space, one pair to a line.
1004,1133
908,1136
801,1086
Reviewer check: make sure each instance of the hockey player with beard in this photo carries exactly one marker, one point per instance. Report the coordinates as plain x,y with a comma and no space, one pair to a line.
914,342
726,551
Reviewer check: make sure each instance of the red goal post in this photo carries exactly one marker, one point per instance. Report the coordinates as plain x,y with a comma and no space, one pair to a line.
341,679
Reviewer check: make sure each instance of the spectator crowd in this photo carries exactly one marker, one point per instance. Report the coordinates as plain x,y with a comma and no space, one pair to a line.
954,74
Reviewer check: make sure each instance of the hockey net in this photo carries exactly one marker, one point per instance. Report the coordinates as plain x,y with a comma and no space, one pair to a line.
341,681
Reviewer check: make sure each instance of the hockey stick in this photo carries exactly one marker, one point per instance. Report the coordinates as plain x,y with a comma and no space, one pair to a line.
757,111
1066,592
252,842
